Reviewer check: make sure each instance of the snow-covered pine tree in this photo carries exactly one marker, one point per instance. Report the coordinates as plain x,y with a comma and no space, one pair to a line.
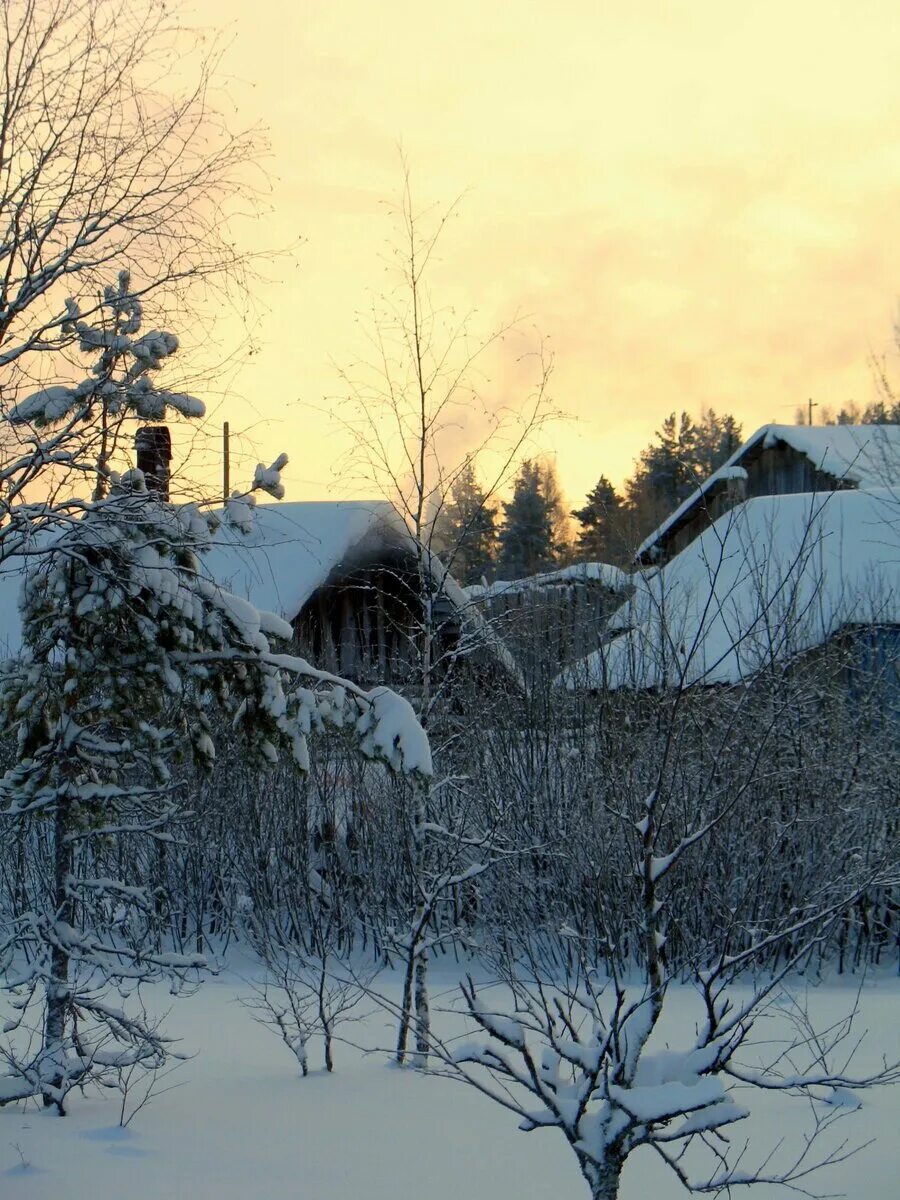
64,434
129,647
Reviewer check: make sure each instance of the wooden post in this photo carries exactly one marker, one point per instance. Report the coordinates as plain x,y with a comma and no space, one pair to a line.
380,622
226,464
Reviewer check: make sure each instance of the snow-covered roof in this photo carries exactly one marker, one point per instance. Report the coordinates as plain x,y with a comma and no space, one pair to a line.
293,547
772,578
865,456
12,572
290,551
610,577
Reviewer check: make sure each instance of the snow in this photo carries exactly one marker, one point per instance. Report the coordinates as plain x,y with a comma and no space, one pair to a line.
239,1120
774,577
607,575
654,1102
866,456
292,549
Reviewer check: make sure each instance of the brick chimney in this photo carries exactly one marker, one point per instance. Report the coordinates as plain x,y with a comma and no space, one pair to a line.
153,445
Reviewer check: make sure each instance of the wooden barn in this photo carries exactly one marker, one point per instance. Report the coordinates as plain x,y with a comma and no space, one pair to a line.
555,618
346,575
780,460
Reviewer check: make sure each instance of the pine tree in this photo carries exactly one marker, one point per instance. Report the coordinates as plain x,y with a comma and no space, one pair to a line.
682,455
527,544
671,464
465,531
601,538
716,440
560,524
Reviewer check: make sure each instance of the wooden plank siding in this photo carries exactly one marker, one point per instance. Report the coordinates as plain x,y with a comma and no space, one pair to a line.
779,470
366,625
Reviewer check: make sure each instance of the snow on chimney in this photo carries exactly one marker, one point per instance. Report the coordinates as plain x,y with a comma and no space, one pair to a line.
153,445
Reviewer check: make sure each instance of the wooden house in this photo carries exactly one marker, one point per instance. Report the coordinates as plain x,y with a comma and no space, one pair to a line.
348,576
772,581
780,460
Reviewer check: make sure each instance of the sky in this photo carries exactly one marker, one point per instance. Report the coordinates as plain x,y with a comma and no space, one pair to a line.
688,204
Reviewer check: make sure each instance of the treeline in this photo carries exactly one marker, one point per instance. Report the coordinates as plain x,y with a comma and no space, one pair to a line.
883,411
480,536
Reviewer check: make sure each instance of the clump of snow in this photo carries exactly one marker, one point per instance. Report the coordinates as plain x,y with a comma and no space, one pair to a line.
268,479
45,405
390,731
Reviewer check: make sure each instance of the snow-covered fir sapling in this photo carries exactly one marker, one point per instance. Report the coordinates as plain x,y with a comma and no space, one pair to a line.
128,649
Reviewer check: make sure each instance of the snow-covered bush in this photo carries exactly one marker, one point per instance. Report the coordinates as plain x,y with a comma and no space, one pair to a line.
577,1046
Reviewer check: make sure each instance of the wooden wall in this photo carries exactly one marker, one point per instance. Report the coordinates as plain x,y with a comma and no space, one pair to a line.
367,625
778,470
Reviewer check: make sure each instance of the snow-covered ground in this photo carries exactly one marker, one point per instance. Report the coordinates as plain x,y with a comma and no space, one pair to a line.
241,1123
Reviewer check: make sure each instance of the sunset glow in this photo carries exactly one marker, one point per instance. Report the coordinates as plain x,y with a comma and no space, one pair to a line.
692,202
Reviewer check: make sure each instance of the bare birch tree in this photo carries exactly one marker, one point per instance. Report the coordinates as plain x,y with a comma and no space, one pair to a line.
422,385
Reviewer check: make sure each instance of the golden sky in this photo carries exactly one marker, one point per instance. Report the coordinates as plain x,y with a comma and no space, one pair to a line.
695,203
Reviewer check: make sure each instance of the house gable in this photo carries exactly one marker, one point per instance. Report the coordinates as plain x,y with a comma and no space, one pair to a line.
781,460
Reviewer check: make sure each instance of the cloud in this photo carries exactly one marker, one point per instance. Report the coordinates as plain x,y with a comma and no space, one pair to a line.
695,203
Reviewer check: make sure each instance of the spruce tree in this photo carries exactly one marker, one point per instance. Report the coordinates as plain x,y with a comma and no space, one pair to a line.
527,545
465,532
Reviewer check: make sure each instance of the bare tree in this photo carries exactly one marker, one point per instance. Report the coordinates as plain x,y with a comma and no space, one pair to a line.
403,408
102,169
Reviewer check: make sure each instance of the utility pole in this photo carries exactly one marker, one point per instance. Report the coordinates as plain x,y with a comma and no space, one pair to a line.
226,464
811,407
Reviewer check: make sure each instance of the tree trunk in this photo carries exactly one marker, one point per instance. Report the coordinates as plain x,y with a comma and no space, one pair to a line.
405,1008
603,1180
324,1019
423,1012
57,987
